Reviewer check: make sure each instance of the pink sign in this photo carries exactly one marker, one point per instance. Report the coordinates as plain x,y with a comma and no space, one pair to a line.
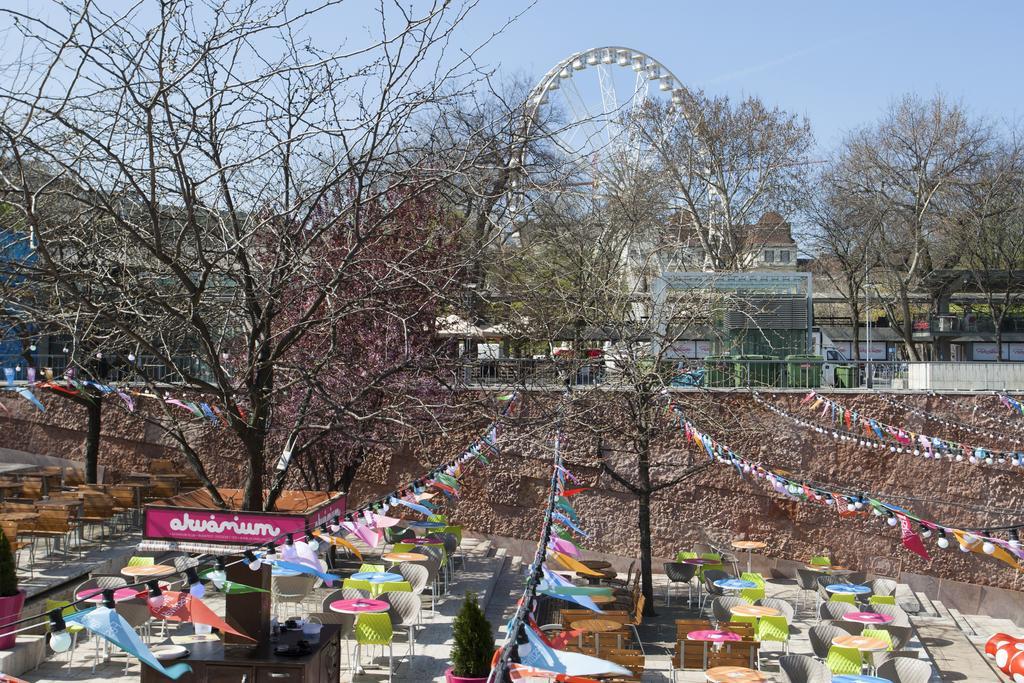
248,528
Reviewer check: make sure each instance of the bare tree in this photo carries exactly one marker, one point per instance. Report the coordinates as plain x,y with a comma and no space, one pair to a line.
908,169
843,239
727,164
990,226
171,172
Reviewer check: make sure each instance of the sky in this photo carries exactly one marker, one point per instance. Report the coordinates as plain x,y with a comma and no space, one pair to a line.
838,63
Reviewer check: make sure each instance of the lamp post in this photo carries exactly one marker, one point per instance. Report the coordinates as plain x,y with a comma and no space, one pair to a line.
867,325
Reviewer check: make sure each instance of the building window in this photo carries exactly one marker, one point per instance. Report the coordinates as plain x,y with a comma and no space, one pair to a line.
784,256
769,256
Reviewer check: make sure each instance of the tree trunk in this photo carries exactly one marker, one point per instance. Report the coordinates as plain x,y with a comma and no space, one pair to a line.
646,570
94,415
252,489
855,317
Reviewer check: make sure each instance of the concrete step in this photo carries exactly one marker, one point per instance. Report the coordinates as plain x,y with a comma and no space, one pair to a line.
955,657
927,607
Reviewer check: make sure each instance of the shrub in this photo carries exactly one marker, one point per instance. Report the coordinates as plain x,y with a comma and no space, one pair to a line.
8,569
474,641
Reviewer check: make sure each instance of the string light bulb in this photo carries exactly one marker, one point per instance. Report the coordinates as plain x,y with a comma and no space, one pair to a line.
218,575
311,541
156,596
254,562
195,587
988,547
60,639
271,553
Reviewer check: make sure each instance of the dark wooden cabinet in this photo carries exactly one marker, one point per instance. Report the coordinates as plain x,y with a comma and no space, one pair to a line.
219,663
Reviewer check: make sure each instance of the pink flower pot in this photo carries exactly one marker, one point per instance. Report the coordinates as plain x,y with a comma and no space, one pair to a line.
10,610
452,678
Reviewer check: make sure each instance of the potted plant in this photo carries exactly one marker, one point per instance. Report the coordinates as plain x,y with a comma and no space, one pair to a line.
11,599
474,645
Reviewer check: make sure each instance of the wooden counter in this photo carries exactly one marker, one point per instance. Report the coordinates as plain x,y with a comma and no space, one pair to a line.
219,663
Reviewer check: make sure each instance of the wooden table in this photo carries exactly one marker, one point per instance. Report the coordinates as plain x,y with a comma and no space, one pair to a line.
754,611
596,564
734,674
147,571
597,627
215,662
749,546
602,599
861,643
828,568
17,516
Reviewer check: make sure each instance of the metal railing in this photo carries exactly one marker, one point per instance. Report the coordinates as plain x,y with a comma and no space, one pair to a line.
146,366
721,373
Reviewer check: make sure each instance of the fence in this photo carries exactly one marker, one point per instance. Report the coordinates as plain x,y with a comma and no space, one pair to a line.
709,373
144,366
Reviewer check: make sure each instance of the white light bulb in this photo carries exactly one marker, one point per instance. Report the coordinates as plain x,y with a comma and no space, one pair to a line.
859,505
988,547
313,544
197,590
256,564
32,347
131,357
851,507
926,533
964,549
60,641
943,542
891,521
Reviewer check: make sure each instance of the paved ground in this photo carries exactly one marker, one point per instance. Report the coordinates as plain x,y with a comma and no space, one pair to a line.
948,639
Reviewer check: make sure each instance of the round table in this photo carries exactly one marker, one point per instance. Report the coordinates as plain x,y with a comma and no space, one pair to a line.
828,568
597,627
404,557
734,674
734,584
859,678
95,595
713,636
377,577
602,599
749,546
147,571
754,611
867,617
861,643
848,589
596,564
428,525
358,606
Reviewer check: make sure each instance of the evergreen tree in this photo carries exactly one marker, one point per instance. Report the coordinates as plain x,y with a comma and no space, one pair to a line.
8,569
474,641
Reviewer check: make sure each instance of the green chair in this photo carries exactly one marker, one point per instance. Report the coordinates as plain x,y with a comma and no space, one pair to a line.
139,561
378,587
881,634
882,600
366,567
358,584
843,597
438,518
773,628
752,595
843,660
404,548
74,629
375,629
746,620
685,555
821,561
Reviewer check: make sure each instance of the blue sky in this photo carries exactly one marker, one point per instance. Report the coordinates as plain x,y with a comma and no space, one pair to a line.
838,63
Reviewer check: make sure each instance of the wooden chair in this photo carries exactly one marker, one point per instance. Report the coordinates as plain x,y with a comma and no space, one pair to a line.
689,654
125,504
634,660
51,524
162,466
742,653
744,629
97,510
160,489
32,489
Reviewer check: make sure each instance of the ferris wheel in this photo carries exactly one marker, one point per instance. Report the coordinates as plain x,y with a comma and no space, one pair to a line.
585,114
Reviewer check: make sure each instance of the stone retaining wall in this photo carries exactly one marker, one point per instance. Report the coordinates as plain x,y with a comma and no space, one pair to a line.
503,499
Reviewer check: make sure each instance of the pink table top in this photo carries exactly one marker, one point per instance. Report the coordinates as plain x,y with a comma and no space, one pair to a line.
867,617
96,594
359,606
713,636
423,541
700,560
